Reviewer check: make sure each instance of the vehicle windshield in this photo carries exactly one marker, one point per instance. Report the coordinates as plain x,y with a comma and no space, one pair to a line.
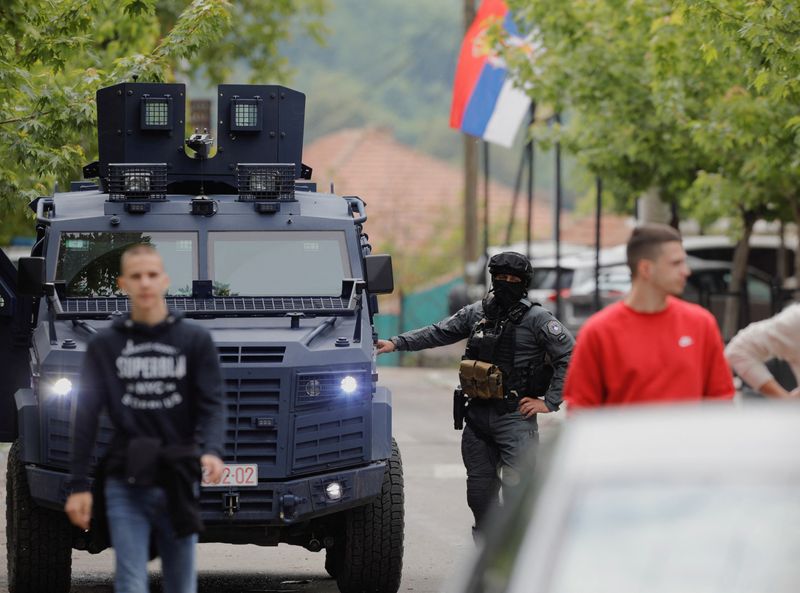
278,263
700,538
88,261
545,278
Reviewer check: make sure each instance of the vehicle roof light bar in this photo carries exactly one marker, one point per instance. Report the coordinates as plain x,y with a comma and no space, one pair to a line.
265,181
137,181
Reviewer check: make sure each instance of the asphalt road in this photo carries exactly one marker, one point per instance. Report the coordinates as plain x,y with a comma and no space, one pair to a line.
438,521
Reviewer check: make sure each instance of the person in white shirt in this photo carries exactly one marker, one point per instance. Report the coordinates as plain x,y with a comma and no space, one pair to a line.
776,337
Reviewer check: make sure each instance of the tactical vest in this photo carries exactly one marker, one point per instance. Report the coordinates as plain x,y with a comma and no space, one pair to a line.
494,341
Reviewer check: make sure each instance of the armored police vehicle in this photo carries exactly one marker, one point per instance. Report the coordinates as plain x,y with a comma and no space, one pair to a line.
283,278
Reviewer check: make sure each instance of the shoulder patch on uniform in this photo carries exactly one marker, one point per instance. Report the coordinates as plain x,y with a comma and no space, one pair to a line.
554,327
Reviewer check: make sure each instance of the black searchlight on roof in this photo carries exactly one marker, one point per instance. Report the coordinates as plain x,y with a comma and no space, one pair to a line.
137,181
246,115
156,113
265,181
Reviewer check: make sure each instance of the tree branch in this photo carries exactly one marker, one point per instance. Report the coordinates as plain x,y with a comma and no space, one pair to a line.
15,120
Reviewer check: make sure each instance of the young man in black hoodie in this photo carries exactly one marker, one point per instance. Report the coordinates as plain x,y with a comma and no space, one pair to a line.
158,377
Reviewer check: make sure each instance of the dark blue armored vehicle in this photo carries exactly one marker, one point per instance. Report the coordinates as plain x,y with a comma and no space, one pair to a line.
283,278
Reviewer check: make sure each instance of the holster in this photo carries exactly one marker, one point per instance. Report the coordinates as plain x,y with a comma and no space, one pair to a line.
459,408
479,379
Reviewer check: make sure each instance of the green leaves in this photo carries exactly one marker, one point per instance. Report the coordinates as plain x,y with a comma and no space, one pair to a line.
696,97
55,54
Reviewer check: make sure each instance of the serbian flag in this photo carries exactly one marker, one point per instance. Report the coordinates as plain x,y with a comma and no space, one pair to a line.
486,104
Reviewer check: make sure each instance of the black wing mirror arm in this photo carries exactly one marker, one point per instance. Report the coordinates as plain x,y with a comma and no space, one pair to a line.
54,308
359,288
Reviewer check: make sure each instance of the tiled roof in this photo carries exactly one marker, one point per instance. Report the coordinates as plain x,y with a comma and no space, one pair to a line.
410,195
415,201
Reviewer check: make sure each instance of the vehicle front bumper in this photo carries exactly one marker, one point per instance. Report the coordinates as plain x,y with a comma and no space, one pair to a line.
269,503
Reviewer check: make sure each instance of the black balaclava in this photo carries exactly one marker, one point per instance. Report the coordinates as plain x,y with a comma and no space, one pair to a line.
507,294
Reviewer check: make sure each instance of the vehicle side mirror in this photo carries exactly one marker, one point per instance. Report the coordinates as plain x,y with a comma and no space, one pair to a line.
379,276
31,276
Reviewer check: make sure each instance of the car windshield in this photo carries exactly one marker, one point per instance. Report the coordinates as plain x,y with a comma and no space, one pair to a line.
278,263
694,538
545,278
88,261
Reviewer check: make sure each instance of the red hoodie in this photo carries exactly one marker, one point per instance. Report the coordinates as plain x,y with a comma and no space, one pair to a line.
626,357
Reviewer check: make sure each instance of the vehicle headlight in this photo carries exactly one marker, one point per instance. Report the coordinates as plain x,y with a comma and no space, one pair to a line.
313,387
349,384
62,387
333,491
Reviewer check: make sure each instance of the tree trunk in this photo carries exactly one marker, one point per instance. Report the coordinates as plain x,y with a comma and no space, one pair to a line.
797,248
652,208
782,270
737,285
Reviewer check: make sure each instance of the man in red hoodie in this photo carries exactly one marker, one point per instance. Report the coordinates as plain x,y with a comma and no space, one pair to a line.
651,346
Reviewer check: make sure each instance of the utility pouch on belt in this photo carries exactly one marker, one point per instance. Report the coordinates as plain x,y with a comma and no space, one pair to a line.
481,379
459,408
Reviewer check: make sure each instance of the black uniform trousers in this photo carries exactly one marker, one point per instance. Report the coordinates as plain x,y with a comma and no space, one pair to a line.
492,442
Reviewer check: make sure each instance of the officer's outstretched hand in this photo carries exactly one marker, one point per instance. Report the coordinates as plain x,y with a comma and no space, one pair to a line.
528,406
384,347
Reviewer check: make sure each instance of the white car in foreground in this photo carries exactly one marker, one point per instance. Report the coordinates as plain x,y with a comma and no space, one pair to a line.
656,499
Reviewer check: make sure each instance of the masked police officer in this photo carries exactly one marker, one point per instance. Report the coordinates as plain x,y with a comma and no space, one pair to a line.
513,369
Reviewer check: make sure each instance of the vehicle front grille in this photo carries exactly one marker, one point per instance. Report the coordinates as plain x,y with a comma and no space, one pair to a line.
252,434
330,439
251,354
253,504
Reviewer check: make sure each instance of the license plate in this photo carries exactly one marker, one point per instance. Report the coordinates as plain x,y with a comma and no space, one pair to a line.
242,474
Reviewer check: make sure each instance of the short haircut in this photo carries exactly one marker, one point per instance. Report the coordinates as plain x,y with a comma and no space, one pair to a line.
646,241
136,249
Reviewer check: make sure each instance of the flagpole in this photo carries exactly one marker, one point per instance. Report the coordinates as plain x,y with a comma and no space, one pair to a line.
557,225
597,220
470,173
530,150
515,199
486,201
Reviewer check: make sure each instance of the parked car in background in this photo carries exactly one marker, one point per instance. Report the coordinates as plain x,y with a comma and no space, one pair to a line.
708,286
577,264
764,251
694,498
572,274
477,272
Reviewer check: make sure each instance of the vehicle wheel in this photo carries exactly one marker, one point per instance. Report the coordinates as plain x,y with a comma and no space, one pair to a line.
39,540
332,561
371,558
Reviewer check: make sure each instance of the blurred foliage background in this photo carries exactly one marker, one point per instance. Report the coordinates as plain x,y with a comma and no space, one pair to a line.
55,54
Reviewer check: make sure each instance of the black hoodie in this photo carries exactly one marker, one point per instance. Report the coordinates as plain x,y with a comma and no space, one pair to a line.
161,382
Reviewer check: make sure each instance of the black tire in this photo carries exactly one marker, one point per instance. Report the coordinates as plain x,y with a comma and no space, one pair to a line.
332,561
371,558
39,540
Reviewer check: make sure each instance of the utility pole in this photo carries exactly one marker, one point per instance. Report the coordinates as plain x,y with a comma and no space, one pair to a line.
470,172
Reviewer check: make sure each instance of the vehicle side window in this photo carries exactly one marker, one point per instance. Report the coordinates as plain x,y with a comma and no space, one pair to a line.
690,293
703,282
758,290
543,278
